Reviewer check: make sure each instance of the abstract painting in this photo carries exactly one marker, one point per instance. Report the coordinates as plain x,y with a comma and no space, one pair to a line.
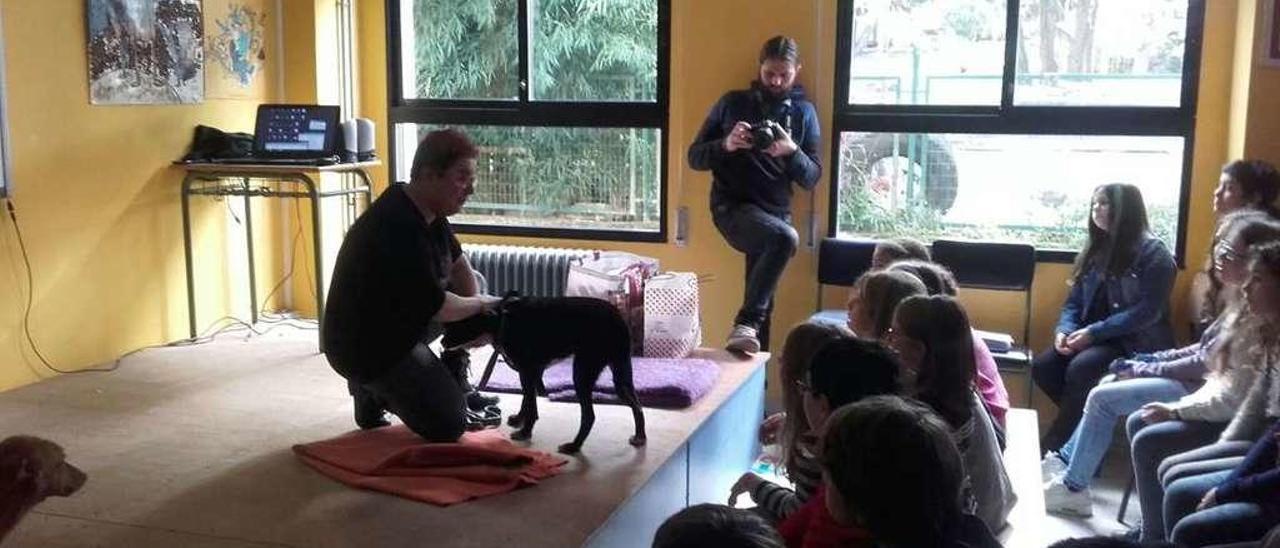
145,52
236,43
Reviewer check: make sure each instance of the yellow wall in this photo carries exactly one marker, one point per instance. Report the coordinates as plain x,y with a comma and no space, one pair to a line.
98,204
713,50
98,201
1262,130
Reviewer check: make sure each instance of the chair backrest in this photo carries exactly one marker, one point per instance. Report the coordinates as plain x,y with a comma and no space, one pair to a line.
841,261
991,266
988,265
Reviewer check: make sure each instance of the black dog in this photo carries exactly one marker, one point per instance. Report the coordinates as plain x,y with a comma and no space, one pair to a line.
532,332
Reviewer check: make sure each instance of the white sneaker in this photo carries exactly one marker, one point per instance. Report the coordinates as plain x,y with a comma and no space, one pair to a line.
1051,466
743,339
1058,499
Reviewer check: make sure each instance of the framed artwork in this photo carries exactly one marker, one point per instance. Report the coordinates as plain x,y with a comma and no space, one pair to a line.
145,52
1270,33
236,47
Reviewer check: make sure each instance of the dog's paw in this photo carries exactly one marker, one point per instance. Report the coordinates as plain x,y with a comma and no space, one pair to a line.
569,448
515,421
638,441
521,435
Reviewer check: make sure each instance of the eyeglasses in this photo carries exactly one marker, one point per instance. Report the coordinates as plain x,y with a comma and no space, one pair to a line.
1226,253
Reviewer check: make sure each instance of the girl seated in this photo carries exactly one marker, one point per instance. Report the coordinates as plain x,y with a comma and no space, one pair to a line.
1157,377
1118,306
1164,435
789,428
934,344
939,281
1243,503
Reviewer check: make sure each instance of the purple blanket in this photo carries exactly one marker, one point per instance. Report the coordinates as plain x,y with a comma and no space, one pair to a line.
671,383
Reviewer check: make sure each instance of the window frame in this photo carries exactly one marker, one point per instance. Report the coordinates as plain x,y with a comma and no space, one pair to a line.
524,112
1008,118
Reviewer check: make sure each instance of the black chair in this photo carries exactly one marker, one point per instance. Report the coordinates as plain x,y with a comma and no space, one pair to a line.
840,263
996,267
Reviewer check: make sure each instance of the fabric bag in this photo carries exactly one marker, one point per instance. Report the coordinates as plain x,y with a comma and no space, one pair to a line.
672,325
618,277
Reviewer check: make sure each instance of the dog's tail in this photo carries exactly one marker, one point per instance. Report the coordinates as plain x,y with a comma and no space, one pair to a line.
625,384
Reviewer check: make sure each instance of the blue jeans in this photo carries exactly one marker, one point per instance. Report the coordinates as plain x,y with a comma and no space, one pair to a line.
1221,524
1106,404
768,241
1214,457
1149,445
1067,381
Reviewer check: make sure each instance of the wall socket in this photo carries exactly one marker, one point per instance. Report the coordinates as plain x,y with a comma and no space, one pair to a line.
682,226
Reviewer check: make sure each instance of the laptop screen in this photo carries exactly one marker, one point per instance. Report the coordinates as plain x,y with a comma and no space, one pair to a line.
296,131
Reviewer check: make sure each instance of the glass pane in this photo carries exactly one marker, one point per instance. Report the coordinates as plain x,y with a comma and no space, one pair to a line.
1025,188
1101,52
460,49
927,52
595,51
588,178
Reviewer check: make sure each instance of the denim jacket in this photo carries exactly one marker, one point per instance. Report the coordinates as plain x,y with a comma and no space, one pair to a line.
1139,317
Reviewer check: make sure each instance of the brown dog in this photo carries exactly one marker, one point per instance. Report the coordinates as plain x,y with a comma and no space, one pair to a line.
31,470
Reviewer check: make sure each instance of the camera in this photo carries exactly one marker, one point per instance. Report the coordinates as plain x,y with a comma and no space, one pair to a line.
763,134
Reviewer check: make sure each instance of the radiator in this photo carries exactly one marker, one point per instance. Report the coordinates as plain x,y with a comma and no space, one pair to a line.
533,271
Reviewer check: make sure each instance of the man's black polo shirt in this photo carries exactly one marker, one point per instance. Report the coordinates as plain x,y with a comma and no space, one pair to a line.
388,282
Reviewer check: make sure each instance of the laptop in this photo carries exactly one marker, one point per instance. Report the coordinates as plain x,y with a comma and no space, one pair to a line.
301,135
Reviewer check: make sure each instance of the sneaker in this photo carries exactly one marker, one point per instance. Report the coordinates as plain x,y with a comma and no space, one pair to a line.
743,339
1051,466
1059,499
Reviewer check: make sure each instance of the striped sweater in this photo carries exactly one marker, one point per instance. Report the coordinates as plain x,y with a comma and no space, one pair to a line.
777,501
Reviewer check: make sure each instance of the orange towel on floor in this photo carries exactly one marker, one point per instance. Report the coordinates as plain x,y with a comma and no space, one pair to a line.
395,460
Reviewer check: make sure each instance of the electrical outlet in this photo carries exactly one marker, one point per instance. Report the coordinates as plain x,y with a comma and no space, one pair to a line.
682,226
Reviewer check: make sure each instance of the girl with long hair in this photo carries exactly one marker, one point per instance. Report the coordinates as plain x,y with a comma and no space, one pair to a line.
1118,306
932,338
789,428
1240,504
1164,376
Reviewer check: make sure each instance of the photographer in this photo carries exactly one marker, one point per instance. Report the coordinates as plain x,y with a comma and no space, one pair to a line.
756,142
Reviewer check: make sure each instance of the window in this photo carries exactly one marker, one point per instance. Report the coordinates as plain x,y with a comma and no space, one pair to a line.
996,119
567,100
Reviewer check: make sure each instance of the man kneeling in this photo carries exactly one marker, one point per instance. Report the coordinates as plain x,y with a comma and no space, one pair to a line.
399,277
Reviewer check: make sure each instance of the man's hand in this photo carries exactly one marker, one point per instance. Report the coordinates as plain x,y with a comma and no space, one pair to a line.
1079,340
1153,413
771,427
1209,501
745,484
783,145
738,138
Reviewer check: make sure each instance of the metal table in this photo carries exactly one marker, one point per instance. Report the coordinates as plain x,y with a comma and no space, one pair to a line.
268,181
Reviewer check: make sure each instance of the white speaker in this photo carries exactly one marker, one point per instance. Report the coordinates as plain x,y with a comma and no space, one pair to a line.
350,140
364,139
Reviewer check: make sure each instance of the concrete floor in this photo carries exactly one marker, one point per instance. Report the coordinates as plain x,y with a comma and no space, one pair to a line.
190,446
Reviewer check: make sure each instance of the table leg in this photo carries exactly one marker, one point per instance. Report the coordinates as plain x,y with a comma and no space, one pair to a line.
253,276
186,248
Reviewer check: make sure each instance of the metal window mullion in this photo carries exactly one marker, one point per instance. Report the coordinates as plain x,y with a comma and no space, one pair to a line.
524,22
1011,35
